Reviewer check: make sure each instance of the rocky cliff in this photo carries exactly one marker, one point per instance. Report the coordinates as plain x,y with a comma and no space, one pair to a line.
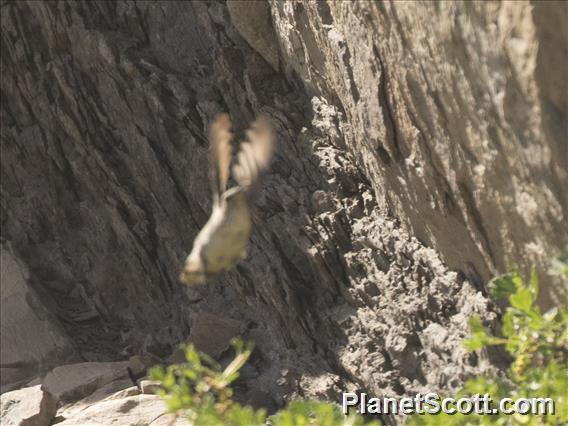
421,147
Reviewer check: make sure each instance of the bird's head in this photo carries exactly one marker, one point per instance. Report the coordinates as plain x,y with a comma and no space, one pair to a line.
193,272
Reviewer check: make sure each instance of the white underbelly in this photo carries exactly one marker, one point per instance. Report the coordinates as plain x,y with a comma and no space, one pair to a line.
230,239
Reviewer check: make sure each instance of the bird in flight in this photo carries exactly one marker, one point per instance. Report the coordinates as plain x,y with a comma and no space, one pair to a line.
223,240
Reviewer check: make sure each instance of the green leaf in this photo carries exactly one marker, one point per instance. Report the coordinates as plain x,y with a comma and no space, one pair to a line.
480,337
534,283
536,320
502,286
508,324
522,299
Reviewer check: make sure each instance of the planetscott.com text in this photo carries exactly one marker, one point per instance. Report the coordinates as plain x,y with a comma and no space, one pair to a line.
432,403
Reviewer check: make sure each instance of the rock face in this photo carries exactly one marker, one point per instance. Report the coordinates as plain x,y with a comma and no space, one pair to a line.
32,338
419,146
456,114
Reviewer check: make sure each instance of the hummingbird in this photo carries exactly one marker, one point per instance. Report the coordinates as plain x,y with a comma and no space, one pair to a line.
223,241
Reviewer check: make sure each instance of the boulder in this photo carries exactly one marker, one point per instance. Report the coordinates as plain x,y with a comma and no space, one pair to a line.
137,409
31,406
117,389
149,387
75,381
212,334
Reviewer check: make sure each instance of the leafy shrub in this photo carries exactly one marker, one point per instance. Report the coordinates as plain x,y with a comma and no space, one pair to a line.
200,390
538,344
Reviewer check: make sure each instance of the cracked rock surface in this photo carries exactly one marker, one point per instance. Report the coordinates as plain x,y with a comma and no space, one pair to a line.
419,147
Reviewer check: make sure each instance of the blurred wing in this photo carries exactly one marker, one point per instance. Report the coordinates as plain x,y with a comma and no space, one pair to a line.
220,153
255,153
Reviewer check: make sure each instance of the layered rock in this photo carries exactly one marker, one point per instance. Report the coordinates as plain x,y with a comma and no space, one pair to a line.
419,147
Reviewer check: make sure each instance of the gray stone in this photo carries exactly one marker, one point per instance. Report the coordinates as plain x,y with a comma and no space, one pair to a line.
31,338
149,387
138,409
253,21
211,333
117,389
75,381
30,406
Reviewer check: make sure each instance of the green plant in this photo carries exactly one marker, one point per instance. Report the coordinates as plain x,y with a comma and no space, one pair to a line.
538,344
200,390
